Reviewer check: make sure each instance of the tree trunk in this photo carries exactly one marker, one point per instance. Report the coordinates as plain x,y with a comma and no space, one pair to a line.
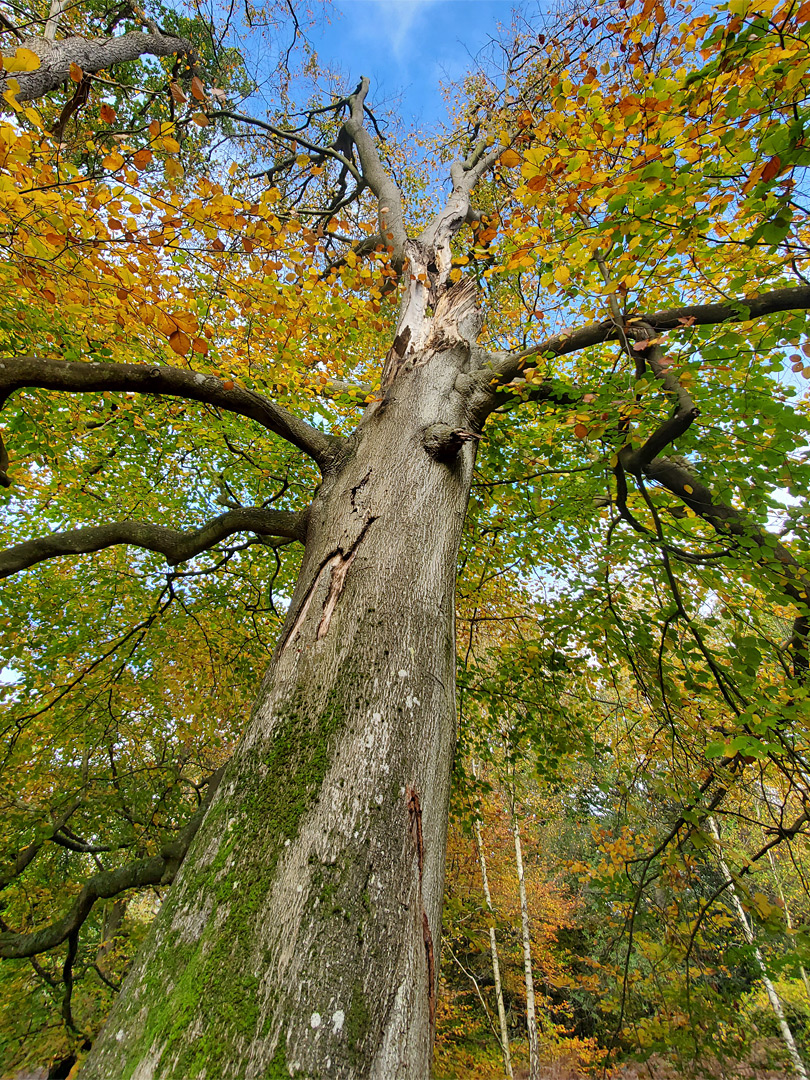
301,935
770,989
531,1011
493,947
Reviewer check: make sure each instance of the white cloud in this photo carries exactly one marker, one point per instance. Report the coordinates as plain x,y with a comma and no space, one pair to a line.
396,22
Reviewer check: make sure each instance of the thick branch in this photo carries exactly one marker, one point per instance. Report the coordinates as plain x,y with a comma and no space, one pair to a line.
155,870
76,377
15,866
727,521
508,365
90,54
177,546
389,198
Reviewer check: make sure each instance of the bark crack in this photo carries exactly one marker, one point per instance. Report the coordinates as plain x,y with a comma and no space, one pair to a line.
415,827
337,563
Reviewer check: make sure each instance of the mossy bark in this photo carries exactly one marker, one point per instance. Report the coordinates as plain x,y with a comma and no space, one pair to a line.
301,935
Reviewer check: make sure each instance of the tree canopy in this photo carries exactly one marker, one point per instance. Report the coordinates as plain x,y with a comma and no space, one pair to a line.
215,269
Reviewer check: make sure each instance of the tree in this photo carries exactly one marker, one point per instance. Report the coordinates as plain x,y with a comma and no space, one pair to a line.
301,930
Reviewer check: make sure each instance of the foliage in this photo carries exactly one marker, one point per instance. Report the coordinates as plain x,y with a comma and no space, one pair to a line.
632,656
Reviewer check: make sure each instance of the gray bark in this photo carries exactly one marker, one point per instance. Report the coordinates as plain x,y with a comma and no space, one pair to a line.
493,948
526,935
91,54
301,934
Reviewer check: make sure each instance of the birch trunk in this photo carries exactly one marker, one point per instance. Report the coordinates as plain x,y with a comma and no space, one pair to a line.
770,989
531,1012
493,945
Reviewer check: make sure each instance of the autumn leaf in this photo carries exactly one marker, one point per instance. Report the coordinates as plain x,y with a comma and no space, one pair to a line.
180,342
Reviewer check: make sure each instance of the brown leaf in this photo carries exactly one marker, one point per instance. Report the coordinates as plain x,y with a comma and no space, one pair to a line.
178,97
197,89
180,342
772,168
107,114
142,158
76,73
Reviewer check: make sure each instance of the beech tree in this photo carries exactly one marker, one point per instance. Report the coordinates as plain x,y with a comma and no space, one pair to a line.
522,300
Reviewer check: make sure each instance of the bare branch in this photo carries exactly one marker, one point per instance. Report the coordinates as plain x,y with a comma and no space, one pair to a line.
77,377
389,197
290,136
177,546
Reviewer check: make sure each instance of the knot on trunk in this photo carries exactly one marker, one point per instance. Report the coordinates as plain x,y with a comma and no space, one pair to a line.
444,442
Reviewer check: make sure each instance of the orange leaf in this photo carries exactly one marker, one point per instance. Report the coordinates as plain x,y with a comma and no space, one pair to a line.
217,245
772,168
580,431
510,159
200,119
107,114
76,73
177,93
197,89
200,345
142,158
113,161
227,384
180,342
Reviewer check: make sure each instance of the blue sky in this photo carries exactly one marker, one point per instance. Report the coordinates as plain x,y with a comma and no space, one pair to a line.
408,47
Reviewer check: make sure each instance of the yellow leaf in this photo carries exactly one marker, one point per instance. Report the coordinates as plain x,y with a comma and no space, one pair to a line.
22,60
562,274
113,161
200,119
173,168
510,159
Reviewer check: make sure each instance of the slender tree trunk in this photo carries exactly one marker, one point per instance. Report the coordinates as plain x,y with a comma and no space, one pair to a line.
770,989
531,1012
493,945
778,883
301,934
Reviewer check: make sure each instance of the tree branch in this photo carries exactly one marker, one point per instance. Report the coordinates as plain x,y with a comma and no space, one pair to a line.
508,365
389,197
177,546
90,54
771,555
154,870
77,377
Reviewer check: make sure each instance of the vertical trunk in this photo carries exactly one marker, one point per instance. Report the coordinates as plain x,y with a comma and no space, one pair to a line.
778,883
496,967
531,1013
301,935
770,989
